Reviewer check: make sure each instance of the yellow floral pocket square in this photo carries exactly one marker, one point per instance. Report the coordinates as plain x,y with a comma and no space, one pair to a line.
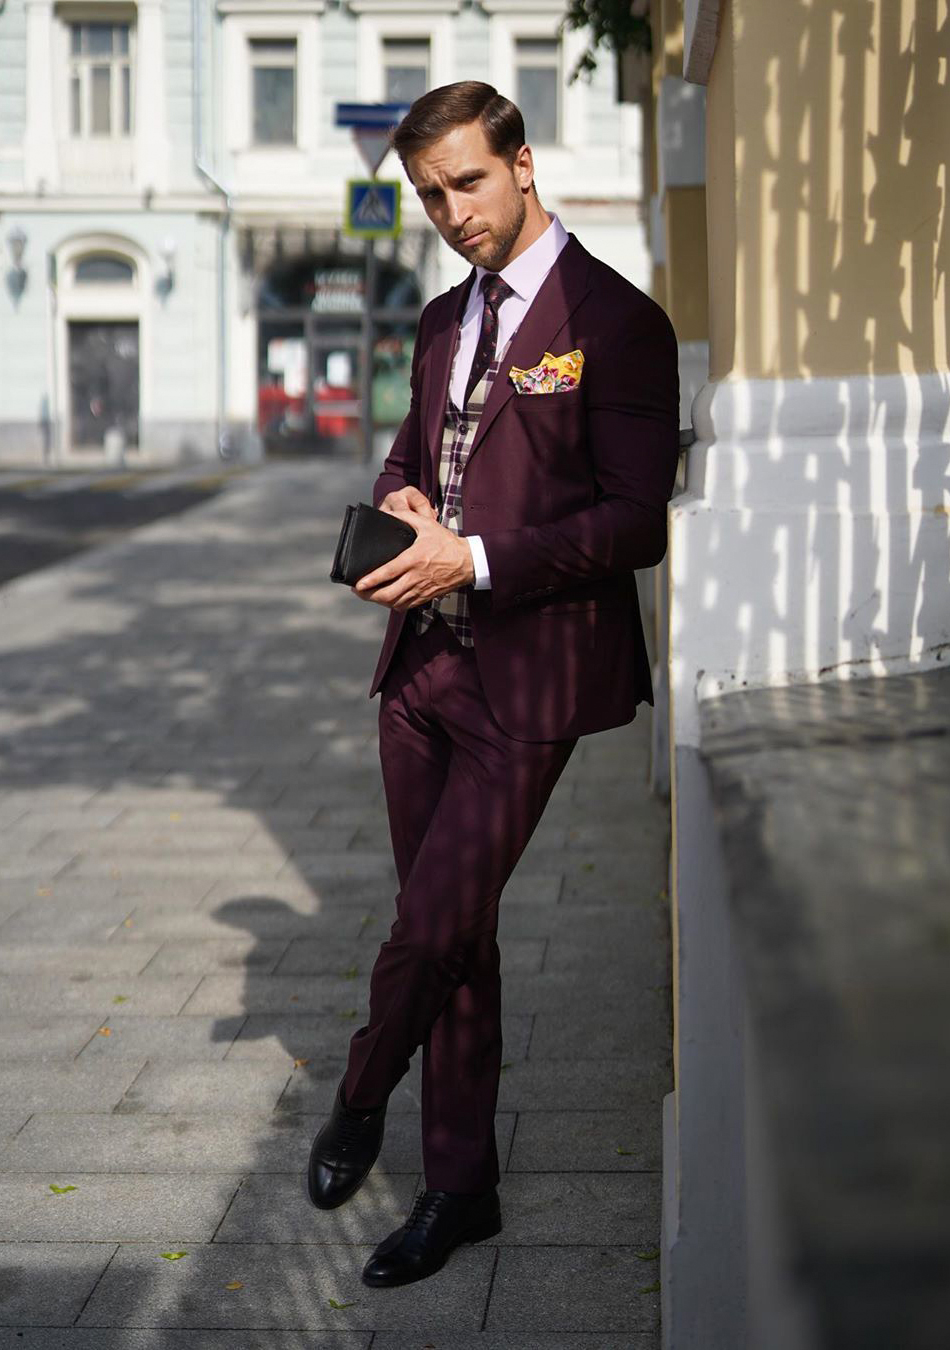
552,375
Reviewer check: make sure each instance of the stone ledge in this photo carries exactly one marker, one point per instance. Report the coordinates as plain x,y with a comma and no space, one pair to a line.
833,802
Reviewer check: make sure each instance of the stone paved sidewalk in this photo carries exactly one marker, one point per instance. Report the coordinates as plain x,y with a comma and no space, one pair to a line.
194,879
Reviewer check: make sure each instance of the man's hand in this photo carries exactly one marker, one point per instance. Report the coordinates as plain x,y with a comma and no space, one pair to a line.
408,499
437,563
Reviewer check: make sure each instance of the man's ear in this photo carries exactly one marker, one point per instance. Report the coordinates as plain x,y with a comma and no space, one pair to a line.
523,167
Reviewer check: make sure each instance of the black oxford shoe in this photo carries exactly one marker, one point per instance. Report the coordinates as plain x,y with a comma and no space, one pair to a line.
438,1222
343,1152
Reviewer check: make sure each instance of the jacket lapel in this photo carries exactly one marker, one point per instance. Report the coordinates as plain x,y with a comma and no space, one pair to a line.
443,350
561,292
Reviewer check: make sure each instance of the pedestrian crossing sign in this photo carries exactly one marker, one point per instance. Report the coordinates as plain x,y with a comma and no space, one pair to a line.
372,208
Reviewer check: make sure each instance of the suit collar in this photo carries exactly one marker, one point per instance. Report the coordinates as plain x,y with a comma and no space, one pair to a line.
443,343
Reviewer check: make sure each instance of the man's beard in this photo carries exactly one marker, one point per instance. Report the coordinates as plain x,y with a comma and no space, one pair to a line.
492,253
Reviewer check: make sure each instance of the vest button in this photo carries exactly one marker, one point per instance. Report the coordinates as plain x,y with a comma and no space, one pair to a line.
451,512
463,428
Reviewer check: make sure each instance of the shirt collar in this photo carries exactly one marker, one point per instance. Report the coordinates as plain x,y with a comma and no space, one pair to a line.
526,272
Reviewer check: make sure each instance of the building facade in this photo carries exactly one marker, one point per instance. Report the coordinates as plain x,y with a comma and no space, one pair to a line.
799,158
177,282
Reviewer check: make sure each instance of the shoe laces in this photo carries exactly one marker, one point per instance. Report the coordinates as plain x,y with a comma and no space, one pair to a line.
425,1207
351,1129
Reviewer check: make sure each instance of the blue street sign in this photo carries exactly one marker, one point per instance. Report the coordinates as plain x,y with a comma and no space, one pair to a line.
375,116
372,208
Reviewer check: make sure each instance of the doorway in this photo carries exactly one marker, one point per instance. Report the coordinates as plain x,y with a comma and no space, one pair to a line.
103,367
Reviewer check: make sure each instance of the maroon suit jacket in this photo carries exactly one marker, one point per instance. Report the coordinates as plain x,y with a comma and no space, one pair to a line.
568,492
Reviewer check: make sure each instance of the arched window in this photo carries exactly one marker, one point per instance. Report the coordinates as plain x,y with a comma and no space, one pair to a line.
105,267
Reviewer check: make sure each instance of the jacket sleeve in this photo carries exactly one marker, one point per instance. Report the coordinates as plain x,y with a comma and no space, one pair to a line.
632,412
402,465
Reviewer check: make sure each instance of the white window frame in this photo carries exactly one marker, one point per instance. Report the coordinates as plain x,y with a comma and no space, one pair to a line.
70,19
379,20
403,38
558,67
284,64
92,163
240,25
513,19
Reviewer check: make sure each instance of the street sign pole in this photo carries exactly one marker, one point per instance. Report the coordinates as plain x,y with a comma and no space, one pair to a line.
371,124
369,347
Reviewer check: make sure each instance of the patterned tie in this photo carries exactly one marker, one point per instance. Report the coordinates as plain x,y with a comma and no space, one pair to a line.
495,292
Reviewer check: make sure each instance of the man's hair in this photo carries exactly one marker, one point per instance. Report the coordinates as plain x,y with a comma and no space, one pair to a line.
456,105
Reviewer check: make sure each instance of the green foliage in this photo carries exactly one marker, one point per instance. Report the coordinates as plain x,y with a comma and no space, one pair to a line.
611,24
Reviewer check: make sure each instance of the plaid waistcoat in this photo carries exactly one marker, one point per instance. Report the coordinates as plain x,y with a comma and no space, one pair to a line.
458,434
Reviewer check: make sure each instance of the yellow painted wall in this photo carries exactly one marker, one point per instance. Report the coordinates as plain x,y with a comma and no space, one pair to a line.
828,166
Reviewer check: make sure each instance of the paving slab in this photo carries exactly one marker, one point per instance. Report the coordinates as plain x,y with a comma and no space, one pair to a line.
206,1088
47,1283
277,1209
117,996
605,1033
215,955
283,1287
587,1208
122,866
37,1040
222,817
149,843
12,1119
312,1086
486,1340
255,912
133,1207
314,840
570,1289
67,1086
36,868
50,818
251,993
589,1141
165,1338
269,1036
75,959
61,920
140,1142
161,1037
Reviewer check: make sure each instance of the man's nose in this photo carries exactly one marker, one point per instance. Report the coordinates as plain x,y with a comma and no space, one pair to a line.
457,212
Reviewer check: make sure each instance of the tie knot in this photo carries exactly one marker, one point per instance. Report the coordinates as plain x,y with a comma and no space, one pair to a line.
495,289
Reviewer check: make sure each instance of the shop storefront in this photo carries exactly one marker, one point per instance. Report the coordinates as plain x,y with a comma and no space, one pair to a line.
330,354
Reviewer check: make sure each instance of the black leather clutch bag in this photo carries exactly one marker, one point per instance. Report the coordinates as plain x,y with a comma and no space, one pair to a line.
368,539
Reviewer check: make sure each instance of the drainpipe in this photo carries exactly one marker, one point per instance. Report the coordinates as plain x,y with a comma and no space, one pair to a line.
205,171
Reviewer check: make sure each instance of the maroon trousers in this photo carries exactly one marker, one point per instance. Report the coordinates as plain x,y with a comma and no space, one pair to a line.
463,800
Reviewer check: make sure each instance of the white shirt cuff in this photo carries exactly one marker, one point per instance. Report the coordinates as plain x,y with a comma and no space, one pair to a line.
480,562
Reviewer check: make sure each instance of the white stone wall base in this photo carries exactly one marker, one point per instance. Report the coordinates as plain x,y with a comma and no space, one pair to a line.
813,538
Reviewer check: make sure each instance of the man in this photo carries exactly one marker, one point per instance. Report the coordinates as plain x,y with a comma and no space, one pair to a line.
535,465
